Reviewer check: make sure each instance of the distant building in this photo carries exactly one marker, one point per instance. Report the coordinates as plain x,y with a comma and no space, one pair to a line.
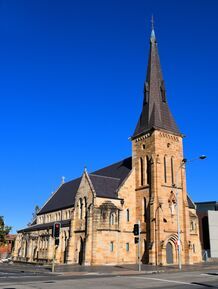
208,222
97,211
6,249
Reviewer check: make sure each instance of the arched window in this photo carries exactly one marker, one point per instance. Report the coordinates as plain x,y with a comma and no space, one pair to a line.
172,171
80,209
112,219
145,245
111,246
127,215
165,170
193,246
85,207
148,170
142,171
145,210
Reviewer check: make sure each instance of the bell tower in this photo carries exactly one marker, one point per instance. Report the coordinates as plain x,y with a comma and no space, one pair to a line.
157,154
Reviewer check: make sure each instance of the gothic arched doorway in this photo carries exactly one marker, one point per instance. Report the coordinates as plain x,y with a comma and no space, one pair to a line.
169,253
81,252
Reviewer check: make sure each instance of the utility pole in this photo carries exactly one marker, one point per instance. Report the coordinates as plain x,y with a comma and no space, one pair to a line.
137,232
178,230
53,260
176,186
55,235
139,246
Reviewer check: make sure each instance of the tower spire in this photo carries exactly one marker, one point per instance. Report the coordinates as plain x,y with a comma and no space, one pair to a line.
155,111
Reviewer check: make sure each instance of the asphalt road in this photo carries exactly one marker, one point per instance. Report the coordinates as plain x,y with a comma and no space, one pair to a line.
24,277
168,281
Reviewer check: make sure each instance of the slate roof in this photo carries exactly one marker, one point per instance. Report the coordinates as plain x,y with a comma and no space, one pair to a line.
118,170
64,223
105,181
105,186
155,112
63,198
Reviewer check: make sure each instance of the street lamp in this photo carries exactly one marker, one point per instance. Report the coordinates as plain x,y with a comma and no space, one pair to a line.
183,162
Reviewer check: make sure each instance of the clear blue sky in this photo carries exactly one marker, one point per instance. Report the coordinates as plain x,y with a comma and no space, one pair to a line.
71,89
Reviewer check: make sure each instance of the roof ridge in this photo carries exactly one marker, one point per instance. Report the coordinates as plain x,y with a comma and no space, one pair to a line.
117,162
104,176
77,178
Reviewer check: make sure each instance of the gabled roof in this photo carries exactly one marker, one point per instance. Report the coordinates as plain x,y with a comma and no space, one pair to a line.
63,198
118,170
105,186
155,111
105,182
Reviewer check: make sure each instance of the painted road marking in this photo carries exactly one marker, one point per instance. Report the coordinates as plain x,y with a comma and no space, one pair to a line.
210,274
165,280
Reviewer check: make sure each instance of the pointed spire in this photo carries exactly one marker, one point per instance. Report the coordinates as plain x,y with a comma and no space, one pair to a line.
155,111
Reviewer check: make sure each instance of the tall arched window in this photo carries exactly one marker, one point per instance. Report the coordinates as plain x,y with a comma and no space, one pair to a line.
165,170
172,171
85,207
145,210
127,215
142,171
193,246
148,170
80,209
145,246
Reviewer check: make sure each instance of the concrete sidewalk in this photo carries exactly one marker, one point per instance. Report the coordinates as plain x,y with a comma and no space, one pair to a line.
126,269
131,269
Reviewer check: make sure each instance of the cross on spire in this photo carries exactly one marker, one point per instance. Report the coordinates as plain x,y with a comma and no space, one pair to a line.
152,28
63,180
152,22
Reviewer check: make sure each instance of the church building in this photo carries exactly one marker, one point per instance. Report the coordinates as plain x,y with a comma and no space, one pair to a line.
98,210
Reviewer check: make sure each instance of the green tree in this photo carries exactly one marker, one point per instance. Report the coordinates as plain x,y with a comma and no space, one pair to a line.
34,215
4,230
